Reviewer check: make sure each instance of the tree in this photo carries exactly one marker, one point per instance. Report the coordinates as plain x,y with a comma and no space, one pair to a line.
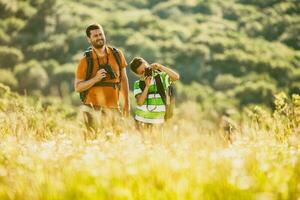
225,82
10,56
63,79
31,76
8,78
259,92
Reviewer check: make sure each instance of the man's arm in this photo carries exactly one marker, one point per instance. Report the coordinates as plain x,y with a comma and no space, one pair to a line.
174,76
124,92
82,85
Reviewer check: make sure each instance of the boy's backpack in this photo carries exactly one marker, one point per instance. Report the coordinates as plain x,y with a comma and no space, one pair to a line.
89,59
167,95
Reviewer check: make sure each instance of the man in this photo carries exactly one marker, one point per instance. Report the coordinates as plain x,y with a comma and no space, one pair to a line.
107,77
150,105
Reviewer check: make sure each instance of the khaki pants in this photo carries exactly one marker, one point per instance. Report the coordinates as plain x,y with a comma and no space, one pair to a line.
100,120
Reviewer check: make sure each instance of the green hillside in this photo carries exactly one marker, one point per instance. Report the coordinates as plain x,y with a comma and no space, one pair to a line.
237,52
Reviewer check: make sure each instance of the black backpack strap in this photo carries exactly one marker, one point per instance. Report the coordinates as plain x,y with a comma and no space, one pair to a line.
142,85
90,64
107,84
118,59
89,71
160,88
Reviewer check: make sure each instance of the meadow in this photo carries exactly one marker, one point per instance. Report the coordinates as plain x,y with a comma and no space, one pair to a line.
43,155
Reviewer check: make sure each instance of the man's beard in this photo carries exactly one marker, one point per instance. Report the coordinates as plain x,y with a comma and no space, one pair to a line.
98,44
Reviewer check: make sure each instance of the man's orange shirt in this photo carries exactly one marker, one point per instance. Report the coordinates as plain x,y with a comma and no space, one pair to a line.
107,97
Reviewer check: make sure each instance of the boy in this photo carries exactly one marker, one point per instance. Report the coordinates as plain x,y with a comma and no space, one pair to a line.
150,105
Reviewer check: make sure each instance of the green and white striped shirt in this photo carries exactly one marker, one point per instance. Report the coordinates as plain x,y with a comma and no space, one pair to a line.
153,110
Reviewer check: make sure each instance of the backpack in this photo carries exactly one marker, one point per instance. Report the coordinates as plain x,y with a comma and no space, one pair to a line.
167,95
89,59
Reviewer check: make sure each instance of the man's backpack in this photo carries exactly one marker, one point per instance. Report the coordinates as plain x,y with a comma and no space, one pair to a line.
89,59
167,95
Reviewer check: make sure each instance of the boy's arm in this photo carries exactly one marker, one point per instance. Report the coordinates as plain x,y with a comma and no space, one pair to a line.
174,76
140,98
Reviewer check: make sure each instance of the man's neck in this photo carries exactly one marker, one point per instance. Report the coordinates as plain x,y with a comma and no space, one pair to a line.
100,52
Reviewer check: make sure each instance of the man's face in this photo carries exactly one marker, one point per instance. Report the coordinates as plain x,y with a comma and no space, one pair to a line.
97,38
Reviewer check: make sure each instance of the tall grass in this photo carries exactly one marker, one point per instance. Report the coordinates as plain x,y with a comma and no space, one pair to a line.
43,155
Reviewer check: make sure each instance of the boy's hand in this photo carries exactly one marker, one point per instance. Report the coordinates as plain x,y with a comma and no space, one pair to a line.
148,81
156,66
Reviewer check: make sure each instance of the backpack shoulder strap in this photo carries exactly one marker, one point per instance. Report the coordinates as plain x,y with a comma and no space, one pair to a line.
89,59
160,88
142,85
118,59
89,71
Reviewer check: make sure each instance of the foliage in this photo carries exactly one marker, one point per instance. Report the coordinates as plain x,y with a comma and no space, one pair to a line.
31,75
8,78
10,56
214,43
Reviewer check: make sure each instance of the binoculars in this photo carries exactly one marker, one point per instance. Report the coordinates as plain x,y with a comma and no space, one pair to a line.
109,70
148,71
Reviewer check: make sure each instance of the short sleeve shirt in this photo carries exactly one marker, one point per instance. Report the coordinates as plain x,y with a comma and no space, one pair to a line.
107,97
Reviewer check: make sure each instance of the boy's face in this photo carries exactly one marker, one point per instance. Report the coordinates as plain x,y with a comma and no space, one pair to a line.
141,69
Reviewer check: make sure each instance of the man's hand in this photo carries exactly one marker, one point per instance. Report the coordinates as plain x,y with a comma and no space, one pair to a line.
125,110
101,74
124,92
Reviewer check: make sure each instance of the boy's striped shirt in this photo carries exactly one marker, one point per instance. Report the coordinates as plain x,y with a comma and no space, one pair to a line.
153,110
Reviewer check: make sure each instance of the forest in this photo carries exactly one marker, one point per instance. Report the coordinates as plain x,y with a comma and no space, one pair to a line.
235,53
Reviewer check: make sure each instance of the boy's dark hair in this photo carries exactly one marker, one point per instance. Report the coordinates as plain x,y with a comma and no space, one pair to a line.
135,63
92,27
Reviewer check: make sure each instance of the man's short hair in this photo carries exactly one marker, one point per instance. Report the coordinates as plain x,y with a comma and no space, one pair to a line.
135,63
92,27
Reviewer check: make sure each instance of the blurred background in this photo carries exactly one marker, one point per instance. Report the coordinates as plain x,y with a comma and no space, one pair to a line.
230,54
